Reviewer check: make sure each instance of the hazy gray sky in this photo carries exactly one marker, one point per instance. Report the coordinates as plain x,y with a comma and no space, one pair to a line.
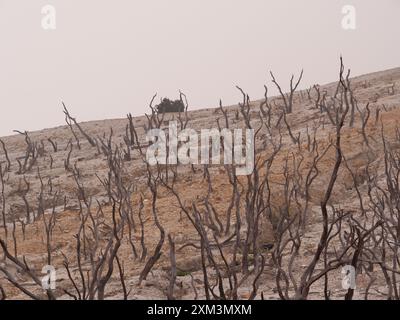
107,58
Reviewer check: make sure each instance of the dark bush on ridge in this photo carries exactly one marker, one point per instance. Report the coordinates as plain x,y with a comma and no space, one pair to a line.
170,106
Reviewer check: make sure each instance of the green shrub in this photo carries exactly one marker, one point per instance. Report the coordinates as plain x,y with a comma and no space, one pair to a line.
181,273
167,105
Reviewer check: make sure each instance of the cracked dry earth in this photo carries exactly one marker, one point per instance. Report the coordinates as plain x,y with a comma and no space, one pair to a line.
28,229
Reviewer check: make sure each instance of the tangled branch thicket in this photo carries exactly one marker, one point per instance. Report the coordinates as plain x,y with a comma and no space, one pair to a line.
201,231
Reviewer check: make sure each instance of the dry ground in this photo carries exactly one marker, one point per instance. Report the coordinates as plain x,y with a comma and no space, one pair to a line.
193,188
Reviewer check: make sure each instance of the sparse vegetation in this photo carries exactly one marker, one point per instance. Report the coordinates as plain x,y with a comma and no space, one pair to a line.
324,194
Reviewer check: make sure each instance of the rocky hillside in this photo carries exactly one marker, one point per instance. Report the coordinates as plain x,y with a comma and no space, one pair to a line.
324,195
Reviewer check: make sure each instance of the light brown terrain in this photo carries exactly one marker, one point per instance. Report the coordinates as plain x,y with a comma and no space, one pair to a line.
71,194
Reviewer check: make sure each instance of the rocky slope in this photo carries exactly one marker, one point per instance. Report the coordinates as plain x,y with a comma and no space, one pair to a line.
35,192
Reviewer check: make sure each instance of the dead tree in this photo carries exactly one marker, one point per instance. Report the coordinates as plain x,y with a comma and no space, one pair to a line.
183,122
364,121
153,182
8,167
71,120
170,293
53,144
266,114
23,265
288,97
3,295
3,201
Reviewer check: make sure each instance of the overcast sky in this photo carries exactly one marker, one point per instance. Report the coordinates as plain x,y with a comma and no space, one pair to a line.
107,58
